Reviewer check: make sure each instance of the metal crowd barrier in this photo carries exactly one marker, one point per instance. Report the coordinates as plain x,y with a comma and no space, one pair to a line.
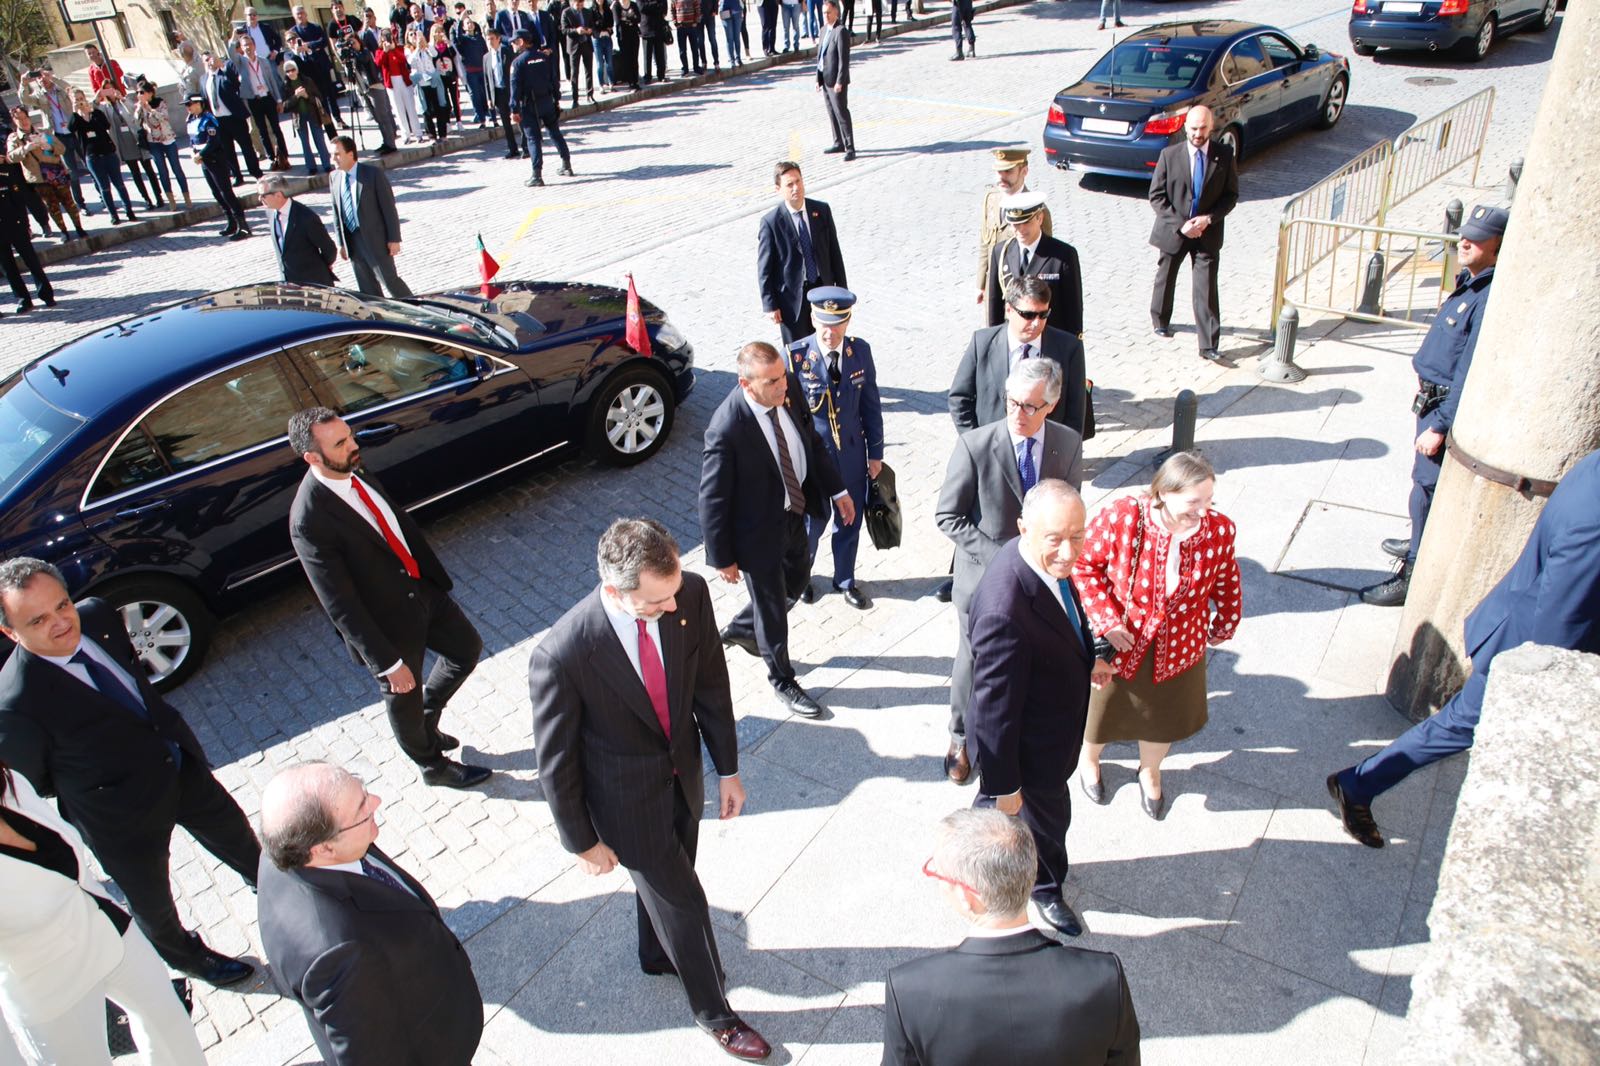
1397,277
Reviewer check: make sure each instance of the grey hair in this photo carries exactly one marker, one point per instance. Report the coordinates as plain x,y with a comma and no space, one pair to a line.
274,183
753,355
16,573
1049,490
1027,287
1029,372
301,424
297,811
632,546
991,853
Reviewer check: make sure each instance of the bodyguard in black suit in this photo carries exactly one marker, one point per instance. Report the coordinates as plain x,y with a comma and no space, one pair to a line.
497,81
1032,666
1007,993
765,469
978,393
797,249
305,251
352,937
384,590
1031,253
81,722
1189,224
625,688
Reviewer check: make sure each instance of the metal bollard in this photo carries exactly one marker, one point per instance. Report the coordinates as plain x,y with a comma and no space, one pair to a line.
1372,290
1516,176
1184,409
1281,367
1454,211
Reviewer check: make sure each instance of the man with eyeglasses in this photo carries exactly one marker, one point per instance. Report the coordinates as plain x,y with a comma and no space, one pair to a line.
991,470
840,383
351,936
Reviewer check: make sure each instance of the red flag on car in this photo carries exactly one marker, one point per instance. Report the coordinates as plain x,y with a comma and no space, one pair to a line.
487,269
637,336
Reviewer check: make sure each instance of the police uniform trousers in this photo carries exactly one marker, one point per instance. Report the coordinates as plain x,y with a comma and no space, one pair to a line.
1203,287
852,463
214,166
547,114
772,590
16,244
445,629
1446,733
1047,812
1424,479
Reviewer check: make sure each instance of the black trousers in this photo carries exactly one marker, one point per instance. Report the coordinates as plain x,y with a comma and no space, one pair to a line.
655,54
265,113
586,58
801,327
772,590
1047,811
16,244
216,176
445,630
958,25
137,859
236,130
502,107
1203,269
769,26
675,921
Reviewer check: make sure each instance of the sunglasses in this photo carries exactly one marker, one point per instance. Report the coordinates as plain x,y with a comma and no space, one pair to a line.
1031,316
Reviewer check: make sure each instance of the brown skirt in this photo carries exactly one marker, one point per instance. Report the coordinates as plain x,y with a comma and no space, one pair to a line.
1143,710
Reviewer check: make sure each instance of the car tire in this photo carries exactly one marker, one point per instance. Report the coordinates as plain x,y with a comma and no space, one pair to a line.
1474,50
1333,102
630,417
1365,50
168,623
1234,140
1547,17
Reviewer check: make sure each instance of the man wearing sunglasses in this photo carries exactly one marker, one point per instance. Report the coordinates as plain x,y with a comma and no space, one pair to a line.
978,393
841,388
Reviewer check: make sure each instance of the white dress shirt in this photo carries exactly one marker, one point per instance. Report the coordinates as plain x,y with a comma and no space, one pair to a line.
797,451
799,219
280,228
1030,250
101,656
261,41
1038,448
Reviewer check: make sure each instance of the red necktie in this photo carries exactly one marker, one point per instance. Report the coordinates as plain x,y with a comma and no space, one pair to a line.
655,676
395,543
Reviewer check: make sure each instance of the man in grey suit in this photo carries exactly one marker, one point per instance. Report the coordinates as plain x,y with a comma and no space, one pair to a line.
366,223
992,468
833,79
261,88
977,395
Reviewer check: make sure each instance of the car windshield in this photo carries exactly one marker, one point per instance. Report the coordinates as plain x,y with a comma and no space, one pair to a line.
30,430
1151,65
442,319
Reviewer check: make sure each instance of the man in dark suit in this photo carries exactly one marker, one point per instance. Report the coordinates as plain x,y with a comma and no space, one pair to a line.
833,80
797,249
991,470
1551,595
80,720
1030,253
535,103
384,589
497,81
305,251
221,89
625,688
578,25
320,68
365,221
352,937
1006,985
1195,185
977,394
1032,665
765,470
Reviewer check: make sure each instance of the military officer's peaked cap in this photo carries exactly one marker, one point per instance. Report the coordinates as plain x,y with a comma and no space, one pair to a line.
1007,158
1021,206
1485,222
830,304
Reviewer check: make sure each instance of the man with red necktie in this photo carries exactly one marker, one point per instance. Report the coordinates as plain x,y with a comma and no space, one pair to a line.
625,687
384,590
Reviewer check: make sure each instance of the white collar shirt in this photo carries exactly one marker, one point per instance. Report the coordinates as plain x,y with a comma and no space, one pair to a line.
280,226
797,452
344,488
101,656
626,627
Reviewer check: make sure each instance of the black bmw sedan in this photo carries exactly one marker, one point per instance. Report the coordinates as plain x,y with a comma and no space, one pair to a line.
1260,83
150,462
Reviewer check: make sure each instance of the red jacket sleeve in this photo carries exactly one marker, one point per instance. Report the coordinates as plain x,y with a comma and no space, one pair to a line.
1106,554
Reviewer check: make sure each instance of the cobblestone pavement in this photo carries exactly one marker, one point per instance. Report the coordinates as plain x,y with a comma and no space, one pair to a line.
808,887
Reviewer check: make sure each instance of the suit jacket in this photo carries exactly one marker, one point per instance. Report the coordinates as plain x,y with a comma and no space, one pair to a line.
781,266
982,495
1045,1003
572,20
376,213
106,766
741,485
223,84
507,56
1056,264
1172,193
1030,679
379,975
1551,594
269,75
978,393
607,770
833,57
307,253
358,579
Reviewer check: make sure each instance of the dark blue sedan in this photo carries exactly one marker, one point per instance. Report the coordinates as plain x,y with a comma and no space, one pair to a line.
1466,27
1259,81
149,460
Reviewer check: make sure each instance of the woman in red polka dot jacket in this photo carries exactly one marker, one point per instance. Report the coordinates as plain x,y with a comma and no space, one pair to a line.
1151,570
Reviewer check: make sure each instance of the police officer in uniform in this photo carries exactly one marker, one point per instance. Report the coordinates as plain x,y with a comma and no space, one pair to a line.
1441,365
211,150
535,102
1010,176
840,383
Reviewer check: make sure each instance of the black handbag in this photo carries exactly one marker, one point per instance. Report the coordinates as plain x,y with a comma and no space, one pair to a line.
883,511
1088,410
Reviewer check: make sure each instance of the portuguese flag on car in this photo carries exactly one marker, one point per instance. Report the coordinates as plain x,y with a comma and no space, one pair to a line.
487,269
637,336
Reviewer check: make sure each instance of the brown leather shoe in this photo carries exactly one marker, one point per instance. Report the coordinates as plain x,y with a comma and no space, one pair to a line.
742,1042
957,767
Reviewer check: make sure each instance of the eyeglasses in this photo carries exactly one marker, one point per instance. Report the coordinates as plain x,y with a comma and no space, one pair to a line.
366,797
929,871
1031,316
1029,409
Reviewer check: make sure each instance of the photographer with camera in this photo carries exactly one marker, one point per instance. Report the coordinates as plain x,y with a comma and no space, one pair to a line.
366,82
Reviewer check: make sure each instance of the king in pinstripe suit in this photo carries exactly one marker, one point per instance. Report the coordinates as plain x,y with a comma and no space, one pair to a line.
625,687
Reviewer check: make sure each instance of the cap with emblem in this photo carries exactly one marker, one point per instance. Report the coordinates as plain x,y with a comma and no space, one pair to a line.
525,36
1021,206
1485,222
1008,158
194,98
831,304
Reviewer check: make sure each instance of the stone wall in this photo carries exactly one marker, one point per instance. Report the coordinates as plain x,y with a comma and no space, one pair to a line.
1513,972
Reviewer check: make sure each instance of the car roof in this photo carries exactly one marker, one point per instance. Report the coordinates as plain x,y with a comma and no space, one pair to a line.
1191,32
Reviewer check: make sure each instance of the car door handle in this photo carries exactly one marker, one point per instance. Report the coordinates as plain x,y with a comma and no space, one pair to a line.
144,509
377,434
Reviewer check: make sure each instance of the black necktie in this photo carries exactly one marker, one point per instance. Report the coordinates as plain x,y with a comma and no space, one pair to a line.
833,368
794,496
108,685
382,876
1025,257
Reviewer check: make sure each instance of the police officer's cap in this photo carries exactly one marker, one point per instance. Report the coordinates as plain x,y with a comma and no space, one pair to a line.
1008,158
525,36
831,304
194,98
1021,206
1485,222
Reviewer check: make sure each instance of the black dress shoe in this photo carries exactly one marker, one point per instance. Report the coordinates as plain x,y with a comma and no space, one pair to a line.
835,150
790,692
745,642
446,741
219,971
1156,808
447,773
1163,331
850,156
1399,547
664,970
945,590
23,307
855,597
48,297
1390,593
566,170
1357,817
957,765
808,594
958,57
1210,355
1057,913
1096,791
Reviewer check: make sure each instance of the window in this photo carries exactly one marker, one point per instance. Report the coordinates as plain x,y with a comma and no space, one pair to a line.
1245,60
1149,66
30,430
121,22
354,373
1280,53
169,26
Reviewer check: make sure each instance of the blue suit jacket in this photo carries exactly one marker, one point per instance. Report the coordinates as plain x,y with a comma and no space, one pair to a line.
1551,595
855,407
780,265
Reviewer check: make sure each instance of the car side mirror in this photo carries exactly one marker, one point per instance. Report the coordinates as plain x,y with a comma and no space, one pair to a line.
1311,52
484,368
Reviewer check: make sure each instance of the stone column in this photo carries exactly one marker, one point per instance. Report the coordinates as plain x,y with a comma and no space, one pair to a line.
1532,399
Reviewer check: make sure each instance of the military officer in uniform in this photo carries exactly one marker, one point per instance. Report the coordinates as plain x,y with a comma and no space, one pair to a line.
1028,252
840,383
1010,176
1441,364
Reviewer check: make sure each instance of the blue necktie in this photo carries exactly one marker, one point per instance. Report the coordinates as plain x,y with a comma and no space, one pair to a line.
347,196
382,876
807,253
108,685
1030,476
1072,608
1199,180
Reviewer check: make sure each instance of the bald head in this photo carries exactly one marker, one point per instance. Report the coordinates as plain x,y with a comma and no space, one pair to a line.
305,814
1199,126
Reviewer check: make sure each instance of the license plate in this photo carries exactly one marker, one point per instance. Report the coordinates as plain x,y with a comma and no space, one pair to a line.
1105,125
1398,8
